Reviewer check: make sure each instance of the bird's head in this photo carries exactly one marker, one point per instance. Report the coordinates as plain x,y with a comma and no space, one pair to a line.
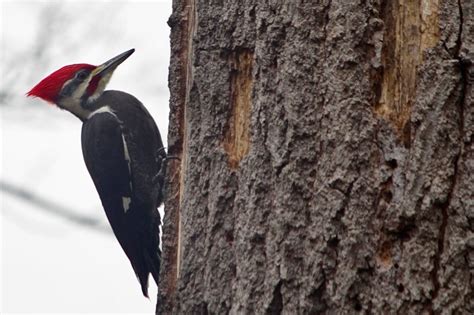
76,87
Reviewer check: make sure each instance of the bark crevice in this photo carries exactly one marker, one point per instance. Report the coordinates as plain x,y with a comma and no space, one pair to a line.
182,22
444,207
276,305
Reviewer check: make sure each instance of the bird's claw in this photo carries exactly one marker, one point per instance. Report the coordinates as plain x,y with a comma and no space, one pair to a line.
160,177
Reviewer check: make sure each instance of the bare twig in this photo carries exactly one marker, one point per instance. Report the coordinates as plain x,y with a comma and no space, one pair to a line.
52,207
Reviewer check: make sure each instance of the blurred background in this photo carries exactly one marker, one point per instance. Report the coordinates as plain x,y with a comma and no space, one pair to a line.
58,254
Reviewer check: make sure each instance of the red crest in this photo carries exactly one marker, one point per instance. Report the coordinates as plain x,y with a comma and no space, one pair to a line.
49,88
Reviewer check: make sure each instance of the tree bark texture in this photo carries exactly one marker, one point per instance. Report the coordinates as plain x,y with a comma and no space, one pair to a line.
326,158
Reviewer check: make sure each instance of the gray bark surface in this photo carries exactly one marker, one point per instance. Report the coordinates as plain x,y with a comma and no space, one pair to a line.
327,161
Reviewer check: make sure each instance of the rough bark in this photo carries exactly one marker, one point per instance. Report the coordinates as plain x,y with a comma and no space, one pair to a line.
326,158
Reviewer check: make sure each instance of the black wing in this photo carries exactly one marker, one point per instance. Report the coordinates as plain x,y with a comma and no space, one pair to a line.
144,144
106,156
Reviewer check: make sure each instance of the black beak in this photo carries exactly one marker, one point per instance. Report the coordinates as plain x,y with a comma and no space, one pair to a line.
110,65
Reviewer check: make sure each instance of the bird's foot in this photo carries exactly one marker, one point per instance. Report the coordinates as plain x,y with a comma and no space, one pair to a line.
160,177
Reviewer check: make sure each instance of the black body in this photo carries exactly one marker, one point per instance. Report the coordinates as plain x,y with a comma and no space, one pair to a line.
107,135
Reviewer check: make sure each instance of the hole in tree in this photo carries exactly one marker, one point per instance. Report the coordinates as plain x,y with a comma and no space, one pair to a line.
358,306
333,242
392,163
401,288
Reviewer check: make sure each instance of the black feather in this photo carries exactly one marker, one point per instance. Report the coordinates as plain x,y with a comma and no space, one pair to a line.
103,136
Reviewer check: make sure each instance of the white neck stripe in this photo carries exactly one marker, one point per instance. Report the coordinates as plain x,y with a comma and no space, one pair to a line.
103,109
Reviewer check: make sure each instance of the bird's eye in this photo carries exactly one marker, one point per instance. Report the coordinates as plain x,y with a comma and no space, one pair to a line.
82,75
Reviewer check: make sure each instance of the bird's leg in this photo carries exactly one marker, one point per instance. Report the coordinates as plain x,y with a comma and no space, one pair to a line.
160,177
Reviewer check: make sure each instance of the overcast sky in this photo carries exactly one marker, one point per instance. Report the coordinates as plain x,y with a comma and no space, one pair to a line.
49,264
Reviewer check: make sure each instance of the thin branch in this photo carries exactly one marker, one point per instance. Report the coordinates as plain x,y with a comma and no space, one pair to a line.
52,207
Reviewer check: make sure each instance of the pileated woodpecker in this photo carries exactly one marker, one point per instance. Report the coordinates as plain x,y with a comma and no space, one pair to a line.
123,152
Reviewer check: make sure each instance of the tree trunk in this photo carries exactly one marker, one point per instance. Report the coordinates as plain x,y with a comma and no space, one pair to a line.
326,158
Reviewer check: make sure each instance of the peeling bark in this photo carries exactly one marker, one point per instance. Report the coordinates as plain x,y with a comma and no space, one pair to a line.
326,158
236,141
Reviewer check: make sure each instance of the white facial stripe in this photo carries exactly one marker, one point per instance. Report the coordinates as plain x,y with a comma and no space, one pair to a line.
67,83
73,102
80,90
100,87
126,203
74,107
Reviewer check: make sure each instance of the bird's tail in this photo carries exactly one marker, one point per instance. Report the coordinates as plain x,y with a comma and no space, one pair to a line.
143,279
148,265
153,261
